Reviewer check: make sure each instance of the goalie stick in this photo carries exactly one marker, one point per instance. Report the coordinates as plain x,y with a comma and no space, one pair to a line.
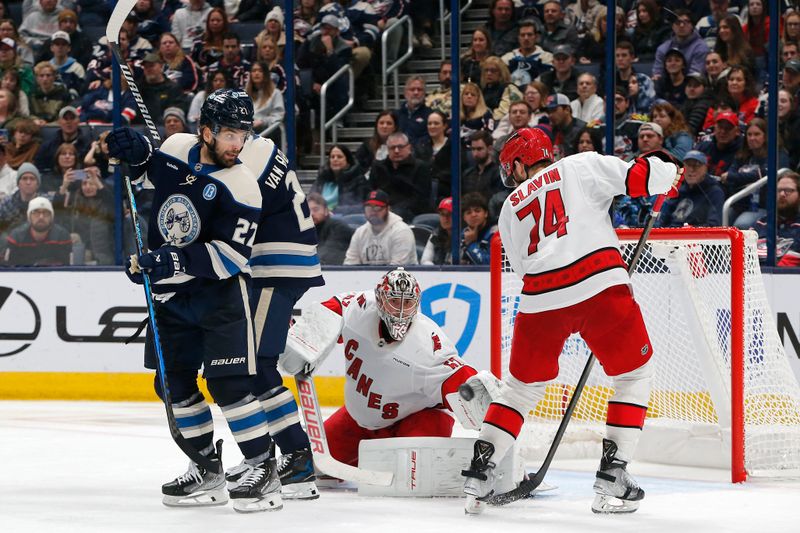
312,416
121,11
527,485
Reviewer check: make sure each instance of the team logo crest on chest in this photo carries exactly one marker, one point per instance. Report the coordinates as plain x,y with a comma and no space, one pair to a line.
178,221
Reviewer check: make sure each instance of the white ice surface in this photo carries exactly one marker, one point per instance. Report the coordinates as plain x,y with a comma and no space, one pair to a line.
98,467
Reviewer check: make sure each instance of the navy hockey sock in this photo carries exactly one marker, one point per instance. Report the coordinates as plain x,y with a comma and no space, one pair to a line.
248,423
283,418
194,421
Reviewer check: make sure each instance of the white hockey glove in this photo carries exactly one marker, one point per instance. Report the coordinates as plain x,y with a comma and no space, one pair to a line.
472,400
310,339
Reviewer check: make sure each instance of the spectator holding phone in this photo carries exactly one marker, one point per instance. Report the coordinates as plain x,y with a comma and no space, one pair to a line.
63,178
97,156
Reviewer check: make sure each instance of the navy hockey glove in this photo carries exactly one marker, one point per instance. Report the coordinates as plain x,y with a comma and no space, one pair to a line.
163,263
133,271
130,146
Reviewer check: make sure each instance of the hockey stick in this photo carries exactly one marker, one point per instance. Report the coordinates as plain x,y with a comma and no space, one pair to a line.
312,415
118,16
527,485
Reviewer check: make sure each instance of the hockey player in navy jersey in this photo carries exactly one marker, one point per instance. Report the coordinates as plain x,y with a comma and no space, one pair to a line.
284,265
205,215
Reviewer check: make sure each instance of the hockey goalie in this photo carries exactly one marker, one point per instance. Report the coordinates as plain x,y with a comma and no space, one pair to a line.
402,372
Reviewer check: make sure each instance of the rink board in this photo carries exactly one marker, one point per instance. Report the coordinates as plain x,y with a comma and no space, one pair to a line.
63,333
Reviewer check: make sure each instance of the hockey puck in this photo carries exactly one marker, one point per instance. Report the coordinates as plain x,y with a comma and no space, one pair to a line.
466,392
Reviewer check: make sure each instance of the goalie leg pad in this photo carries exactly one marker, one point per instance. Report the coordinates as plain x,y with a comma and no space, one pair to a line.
429,466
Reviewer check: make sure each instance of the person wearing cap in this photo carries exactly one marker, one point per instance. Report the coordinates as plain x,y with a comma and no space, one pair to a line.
188,22
174,121
700,197
332,232
672,86
10,61
556,31
791,76
698,100
439,250
650,137
48,97
530,60
273,27
40,241
158,91
14,208
721,147
68,132
563,78
80,45
406,179
38,25
502,27
384,239
70,72
565,128
478,231
685,38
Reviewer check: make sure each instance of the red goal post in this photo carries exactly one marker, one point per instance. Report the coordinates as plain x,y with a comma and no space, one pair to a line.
724,394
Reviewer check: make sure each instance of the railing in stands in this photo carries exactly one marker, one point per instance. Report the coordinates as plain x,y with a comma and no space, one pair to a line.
443,18
273,127
727,207
393,68
323,97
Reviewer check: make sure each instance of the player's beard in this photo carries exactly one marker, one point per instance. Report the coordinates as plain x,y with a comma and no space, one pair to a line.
218,156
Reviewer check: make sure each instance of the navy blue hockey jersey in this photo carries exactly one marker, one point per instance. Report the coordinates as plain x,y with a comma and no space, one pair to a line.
211,213
285,249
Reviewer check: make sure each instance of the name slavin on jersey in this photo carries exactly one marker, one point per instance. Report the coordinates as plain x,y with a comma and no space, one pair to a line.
534,185
278,170
364,382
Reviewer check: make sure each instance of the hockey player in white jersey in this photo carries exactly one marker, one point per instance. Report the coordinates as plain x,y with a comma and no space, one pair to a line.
402,372
558,238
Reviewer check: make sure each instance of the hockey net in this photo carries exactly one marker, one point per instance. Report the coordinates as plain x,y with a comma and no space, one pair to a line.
723,395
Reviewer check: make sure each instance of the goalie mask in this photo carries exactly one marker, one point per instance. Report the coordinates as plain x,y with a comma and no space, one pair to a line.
397,296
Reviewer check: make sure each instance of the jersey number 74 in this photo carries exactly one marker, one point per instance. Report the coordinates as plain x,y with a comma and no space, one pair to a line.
554,220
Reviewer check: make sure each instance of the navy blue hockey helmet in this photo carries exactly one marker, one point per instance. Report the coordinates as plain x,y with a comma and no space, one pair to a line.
227,108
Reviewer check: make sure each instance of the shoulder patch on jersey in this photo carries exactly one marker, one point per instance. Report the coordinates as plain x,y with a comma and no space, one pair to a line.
178,221
210,191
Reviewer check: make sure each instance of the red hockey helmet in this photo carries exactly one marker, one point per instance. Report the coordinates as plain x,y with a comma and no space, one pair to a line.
526,145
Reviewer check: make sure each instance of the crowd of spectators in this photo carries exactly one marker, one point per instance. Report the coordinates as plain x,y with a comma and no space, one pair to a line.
690,78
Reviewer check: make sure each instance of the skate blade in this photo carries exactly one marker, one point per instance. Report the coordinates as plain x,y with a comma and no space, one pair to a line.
271,502
604,504
198,499
474,506
300,491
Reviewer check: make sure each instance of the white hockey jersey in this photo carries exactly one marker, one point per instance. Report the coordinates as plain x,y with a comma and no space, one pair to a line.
557,232
385,381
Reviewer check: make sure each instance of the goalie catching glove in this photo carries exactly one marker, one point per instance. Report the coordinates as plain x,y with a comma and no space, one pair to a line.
310,339
472,400
160,264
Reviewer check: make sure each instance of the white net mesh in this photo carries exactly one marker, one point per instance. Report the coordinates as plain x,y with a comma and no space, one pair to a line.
684,290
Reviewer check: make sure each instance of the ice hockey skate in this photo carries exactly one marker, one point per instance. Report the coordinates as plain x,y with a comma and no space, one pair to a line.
296,472
617,491
258,490
479,485
197,487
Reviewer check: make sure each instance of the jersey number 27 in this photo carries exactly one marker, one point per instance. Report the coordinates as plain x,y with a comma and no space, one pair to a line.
554,220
